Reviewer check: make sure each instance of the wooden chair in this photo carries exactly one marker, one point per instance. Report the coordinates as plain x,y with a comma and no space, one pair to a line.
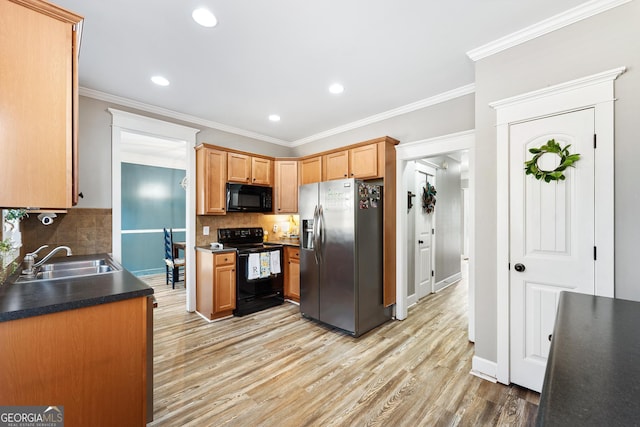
173,265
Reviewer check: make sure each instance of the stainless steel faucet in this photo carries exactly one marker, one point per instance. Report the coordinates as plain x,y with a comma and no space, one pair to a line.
31,265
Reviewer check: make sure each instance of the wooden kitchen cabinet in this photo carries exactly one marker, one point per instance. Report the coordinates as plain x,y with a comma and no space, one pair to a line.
286,186
246,169
261,171
292,273
238,168
310,170
39,102
91,360
211,174
363,162
360,162
215,284
336,165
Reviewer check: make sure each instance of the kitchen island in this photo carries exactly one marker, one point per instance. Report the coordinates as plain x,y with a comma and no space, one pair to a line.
83,344
593,370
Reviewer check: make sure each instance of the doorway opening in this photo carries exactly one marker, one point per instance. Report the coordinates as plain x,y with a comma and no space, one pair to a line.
124,125
441,155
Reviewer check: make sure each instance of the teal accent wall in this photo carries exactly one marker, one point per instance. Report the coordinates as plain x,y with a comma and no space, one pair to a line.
152,199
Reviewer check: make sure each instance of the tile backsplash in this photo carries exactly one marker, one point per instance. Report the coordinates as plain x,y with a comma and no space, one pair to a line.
234,220
85,231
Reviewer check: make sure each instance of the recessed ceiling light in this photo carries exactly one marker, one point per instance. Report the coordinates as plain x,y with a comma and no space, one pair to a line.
205,18
336,88
274,118
160,81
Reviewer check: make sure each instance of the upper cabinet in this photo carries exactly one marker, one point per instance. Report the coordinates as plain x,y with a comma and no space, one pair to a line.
261,171
360,162
247,169
336,165
286,188
310,170
39,102
211,174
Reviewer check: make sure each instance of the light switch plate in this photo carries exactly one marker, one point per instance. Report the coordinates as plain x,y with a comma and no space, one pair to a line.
205,230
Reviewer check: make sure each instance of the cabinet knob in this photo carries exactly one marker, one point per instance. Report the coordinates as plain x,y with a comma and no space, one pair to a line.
352,174
520,267
345,174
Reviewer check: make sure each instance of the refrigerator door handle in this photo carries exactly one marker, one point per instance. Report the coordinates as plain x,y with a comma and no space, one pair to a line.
321,233
315,234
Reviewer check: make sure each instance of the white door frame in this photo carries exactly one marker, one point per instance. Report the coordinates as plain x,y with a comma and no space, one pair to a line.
419,150
595,91
124,121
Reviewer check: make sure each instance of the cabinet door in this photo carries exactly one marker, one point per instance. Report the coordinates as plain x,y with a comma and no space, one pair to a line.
239,168
225,288
292,273
310,170
261,171
211,172
39,87
294,279
363,162
336,165
286,187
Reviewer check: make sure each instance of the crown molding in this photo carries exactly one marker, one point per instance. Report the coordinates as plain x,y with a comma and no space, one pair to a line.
443,97
548,25
126,102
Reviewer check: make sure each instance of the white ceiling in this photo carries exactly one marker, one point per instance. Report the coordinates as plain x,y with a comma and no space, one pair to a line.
280,56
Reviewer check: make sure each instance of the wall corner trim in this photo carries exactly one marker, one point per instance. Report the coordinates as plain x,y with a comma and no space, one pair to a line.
541,28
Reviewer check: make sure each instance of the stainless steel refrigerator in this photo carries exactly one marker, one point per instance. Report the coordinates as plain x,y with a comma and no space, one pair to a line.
341,280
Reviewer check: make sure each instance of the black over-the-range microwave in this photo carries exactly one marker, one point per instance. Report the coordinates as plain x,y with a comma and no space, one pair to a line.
249,198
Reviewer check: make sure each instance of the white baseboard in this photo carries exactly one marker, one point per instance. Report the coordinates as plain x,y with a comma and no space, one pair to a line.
483,368
442,284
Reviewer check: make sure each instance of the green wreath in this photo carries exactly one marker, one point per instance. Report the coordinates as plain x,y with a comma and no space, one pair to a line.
566,160
429,198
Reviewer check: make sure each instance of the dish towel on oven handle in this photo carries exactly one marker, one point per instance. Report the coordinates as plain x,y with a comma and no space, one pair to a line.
253,267
275,262
265,270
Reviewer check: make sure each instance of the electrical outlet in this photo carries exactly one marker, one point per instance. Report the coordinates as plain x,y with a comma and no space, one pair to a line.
275,228
205,230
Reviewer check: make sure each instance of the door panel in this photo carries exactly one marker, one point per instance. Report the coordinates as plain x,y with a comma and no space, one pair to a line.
552,237
423,239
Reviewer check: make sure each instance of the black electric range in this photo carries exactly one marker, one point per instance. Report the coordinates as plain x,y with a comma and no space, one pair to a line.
259,269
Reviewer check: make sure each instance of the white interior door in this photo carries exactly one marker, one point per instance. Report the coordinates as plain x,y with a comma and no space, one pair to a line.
551,237
424,237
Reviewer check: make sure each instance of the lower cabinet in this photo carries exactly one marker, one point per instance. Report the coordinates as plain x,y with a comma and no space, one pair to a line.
215,284
91,360
292,273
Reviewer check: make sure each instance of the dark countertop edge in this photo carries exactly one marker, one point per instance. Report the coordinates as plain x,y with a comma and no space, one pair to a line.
72,305
207,248
283,242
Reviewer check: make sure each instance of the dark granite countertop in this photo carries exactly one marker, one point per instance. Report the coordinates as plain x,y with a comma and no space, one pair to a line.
593,370
20,300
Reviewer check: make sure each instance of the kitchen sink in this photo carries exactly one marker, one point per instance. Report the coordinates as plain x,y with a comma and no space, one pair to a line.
70,269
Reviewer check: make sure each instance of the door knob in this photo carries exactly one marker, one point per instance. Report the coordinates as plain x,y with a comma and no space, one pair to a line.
420,242
519,267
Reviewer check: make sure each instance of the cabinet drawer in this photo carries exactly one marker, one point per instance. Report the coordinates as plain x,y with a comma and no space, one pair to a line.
294,253
225,259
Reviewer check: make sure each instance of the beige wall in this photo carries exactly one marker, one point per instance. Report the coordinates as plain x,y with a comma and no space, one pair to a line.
452,116
603,42
94,148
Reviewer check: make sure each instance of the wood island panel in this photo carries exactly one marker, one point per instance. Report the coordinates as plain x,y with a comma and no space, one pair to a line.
90,360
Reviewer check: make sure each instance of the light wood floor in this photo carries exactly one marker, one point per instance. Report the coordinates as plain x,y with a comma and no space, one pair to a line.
275,368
